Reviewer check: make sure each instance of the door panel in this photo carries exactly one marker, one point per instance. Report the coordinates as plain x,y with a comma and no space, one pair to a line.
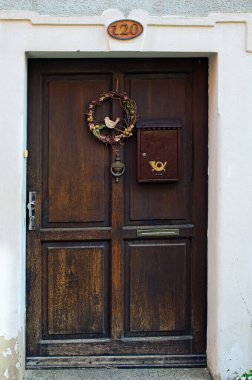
157,278
70,164
76,280
99,292
168,89
164,98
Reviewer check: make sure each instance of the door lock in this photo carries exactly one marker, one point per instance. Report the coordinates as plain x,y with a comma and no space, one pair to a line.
31,210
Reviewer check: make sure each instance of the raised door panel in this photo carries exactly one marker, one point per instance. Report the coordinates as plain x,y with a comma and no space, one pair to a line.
157,276
167,97
75,164
164,94
76,289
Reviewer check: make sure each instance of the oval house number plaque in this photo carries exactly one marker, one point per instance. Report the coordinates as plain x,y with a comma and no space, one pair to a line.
125,29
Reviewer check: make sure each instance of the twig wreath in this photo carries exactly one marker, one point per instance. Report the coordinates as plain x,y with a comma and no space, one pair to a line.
102,131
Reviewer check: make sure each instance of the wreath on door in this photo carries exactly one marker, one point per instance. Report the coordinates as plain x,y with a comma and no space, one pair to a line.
112,131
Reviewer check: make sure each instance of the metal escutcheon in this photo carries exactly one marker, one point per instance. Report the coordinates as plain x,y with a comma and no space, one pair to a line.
31,210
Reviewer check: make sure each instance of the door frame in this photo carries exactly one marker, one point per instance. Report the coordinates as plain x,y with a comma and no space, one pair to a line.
198,37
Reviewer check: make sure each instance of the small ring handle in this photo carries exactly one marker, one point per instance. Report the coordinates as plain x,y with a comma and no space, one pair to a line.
117,174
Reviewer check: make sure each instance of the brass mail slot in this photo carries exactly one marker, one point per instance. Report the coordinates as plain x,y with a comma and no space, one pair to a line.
158,232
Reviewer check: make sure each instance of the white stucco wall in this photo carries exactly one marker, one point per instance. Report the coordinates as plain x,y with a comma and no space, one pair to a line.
229,252
12,204
227,40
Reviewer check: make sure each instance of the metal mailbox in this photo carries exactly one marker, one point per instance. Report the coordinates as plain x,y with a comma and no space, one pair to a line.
158,150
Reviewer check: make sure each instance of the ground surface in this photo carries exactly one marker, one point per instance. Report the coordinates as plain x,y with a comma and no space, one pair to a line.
119,374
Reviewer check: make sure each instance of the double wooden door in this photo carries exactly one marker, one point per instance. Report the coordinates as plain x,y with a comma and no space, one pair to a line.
103,285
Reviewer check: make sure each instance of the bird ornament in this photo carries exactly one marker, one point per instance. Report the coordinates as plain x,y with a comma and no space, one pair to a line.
110,123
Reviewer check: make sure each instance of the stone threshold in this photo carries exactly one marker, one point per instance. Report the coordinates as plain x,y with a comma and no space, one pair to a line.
119,374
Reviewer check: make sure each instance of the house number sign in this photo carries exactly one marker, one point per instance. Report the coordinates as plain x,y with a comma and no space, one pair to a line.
125,29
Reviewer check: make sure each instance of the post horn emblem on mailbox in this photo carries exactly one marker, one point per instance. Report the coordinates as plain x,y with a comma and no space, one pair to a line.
158,166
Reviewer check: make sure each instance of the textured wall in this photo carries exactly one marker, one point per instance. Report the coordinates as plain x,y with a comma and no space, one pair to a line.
154,7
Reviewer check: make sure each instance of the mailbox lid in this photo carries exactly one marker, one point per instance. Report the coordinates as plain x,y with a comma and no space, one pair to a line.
158,150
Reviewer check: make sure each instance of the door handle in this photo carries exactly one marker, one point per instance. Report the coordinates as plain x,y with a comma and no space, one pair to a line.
166,232
31,210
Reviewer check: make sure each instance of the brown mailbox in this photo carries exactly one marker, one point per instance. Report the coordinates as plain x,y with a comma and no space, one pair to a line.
158,150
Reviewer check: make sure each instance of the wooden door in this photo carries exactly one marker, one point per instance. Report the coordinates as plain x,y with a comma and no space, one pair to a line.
98,290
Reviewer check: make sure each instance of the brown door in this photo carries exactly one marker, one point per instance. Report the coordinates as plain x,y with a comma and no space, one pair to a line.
116,272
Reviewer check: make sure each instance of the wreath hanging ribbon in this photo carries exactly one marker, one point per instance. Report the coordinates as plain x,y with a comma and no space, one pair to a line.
113,132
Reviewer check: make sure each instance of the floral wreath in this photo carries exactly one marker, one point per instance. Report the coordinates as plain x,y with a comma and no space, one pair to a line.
123,129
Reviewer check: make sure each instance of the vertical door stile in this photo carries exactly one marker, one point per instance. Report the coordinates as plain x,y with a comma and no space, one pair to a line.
117,219
34,179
